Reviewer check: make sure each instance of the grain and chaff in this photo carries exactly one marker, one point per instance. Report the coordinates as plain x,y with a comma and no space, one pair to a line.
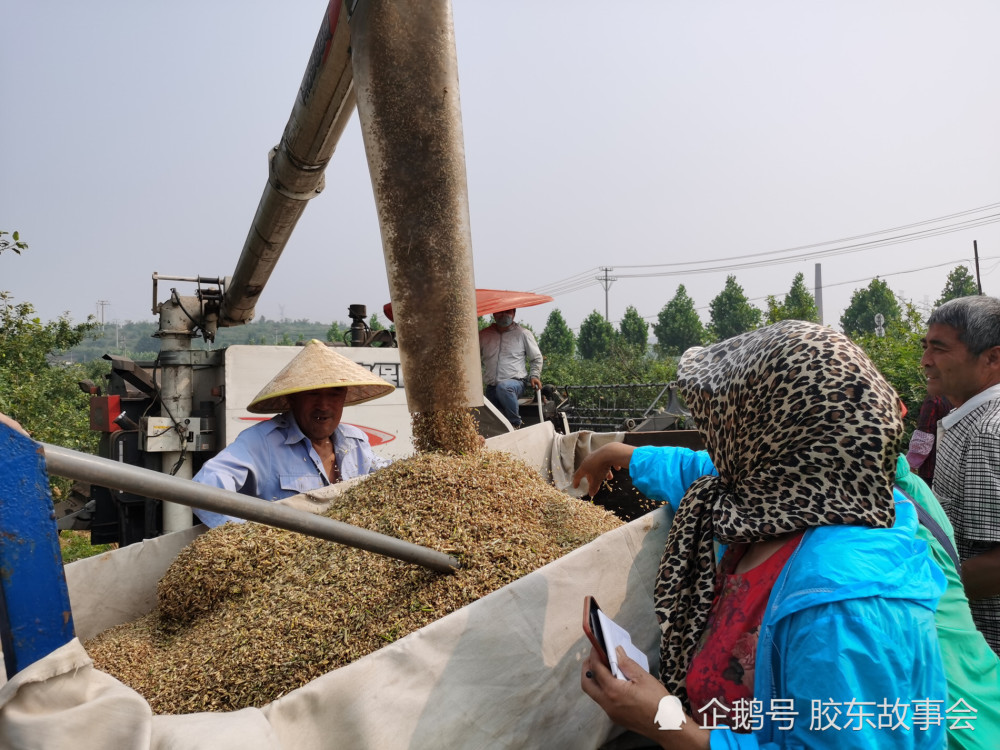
248,613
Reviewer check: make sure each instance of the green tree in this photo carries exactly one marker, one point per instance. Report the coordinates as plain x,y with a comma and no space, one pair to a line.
596,337
620,366
634,330
877,298
557,338
374,323
14,243
897,356
335,332
39,392
960,283
678,326
799,304
775,310
731,312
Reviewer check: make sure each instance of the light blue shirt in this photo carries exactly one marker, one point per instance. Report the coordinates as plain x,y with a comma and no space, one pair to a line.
273,460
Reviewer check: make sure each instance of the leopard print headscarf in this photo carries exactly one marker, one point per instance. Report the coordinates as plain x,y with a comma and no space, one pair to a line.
803,431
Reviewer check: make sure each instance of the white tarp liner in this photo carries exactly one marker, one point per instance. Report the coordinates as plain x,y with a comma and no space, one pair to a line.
502,672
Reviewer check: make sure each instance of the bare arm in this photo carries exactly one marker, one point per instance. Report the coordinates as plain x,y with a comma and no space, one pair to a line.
596,467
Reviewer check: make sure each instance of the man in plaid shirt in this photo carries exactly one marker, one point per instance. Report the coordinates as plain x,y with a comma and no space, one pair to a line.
962,361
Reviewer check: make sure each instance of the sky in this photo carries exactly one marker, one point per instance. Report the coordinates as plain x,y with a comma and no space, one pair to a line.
662,140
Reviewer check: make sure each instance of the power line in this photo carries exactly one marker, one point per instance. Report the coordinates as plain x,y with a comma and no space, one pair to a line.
842,283
571,283
957,261
988,207
867,278
885,242
585,279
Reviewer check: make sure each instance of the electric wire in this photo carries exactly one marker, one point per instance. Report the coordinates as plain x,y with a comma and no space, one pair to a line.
587,278
988,207
878,276
826,285
885,242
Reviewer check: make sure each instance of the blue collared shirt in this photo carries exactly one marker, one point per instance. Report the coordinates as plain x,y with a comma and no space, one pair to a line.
273,460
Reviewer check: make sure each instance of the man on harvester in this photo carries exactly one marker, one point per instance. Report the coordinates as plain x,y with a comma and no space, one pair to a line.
305,446
511,361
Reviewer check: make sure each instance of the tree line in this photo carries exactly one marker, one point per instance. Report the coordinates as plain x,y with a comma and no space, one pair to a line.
600,353
135,339
679,327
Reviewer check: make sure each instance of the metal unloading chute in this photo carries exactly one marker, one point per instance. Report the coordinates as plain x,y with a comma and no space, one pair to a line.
406,73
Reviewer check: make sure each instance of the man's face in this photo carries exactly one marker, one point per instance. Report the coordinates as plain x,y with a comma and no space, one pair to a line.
503,318
951,369
318,412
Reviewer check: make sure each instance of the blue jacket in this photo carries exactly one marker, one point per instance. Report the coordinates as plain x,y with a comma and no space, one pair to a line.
849,626
273,460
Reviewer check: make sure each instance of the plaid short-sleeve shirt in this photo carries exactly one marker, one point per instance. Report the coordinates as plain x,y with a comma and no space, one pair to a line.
967,482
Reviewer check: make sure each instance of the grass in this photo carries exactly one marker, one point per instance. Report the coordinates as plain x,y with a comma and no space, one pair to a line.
75,545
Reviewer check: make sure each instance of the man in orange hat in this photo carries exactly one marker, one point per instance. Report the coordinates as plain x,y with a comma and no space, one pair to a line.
305,446
511,361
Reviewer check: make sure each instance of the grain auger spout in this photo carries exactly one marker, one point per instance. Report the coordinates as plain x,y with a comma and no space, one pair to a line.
395,60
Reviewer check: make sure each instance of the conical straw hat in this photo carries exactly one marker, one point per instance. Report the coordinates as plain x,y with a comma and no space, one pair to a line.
319,366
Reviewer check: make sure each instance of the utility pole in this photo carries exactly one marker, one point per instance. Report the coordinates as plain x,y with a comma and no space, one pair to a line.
606,283
101,304
979,281
818,296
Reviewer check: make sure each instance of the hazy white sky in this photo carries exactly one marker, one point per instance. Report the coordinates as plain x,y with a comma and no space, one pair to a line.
134,139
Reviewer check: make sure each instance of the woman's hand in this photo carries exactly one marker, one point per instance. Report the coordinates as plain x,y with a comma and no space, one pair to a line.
633,704
596,467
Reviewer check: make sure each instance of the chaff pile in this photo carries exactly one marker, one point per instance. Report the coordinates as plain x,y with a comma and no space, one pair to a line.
248,612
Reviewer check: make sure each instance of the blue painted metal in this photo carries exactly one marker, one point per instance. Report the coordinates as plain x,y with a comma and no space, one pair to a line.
35,616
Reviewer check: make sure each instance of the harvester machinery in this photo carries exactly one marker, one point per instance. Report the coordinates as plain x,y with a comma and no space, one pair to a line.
394,62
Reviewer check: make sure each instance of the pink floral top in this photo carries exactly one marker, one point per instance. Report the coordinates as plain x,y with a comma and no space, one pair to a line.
722,668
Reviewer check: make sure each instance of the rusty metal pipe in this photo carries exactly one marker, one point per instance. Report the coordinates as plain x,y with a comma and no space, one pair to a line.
114,475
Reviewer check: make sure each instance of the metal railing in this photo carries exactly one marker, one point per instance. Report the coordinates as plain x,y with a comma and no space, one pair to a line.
621,407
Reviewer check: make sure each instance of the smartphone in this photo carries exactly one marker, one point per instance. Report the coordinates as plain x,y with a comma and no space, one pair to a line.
592,627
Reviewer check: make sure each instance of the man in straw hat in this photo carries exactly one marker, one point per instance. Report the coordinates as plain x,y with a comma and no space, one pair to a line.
305,446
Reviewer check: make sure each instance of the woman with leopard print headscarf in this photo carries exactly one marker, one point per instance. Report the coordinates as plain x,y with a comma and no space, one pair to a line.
818,622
